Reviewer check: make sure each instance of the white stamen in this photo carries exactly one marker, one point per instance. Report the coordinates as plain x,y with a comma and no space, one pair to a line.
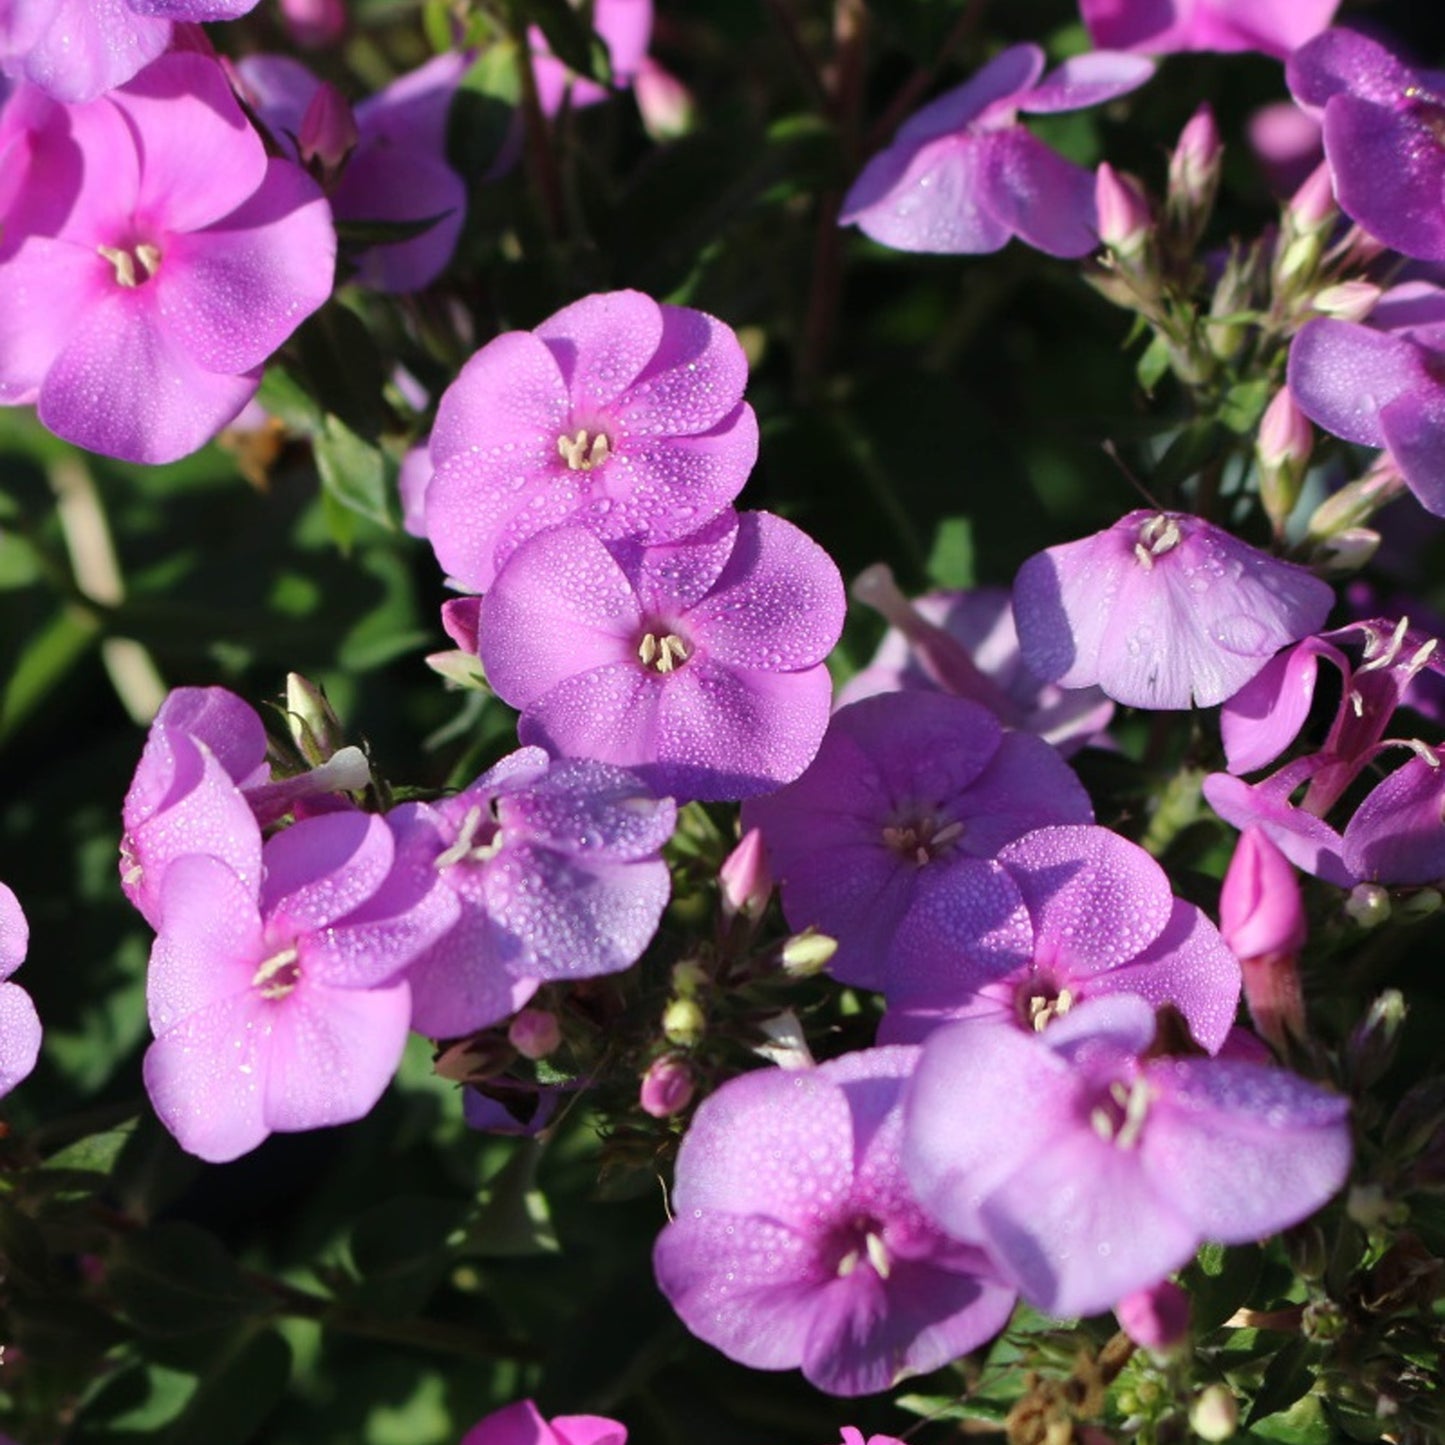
268,977
663,654
585,450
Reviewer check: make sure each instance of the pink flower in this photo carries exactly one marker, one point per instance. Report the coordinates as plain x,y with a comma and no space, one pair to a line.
625,28
19,1024
140,324
1157,26
522,1424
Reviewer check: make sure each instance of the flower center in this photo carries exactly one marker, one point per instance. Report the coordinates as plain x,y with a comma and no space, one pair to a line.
1040,1005
1428,109
922,838
662,654
279,974
478,839
1119,1117
134,265
584,450
863,1240
1160,534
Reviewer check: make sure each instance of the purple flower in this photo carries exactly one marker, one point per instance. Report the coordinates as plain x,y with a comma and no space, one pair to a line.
522,1424
1094,915
795,1240
908,797
619,414
625,28
187,258
699,665
1161,610
19,1023
963,176
257,994
1158,26
538,872
1382,134
1397,834
1090,1172
77,49
1156,1317
397,171
1378,383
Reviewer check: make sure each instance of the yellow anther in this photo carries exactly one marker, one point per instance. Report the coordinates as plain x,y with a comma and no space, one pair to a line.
585,450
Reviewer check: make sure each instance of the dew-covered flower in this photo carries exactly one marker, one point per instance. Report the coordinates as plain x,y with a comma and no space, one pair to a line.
1161,610
910,794
258,989
523,1424
963,175
1156,27
1091,914
539,871
698,665
1090,1171
795,1241
77,49
1383,126
140,326
618,414
19,1023
1379,383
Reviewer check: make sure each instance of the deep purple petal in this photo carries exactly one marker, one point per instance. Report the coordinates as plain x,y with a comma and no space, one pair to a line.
1038,195
1397,834
1342,374
1085,80
1009,73
1414,431
1344,62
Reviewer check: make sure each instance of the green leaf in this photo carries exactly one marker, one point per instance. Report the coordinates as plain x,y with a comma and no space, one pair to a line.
355,473
950,563
1287,1379
1244,404
513,1218
94,1154
569,37
343,369
284,397
1219,1282
484,110
45,661
235,1394
1153,365
1304,1423
400,1250
174,1279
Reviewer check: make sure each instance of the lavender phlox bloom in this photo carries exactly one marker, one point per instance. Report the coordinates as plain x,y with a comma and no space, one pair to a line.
258,994
1097,917
853,1436
398,171
624,27
962,176
41,168
965,643
1161,610
796,1242
1383,127
540,871
140,326
204,785
699,664
1397,834
78,49
1156,1317
1286,143
1379,383
1090,1170
523,1424
910,796
19,1023
619,414
1157,27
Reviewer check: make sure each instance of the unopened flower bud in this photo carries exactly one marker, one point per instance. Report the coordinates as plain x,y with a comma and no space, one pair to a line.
807,953
683,1023
1421,904
1156,1318
1124,218
1346,552
1368,905
1347,300
313,724
1374,1041
1312,208
314,23
667,107
1215,1413
689,978
667,1087
534,1033
1194,169
1371,1208
327,134
1282,452
460,669
1323,1321
745,879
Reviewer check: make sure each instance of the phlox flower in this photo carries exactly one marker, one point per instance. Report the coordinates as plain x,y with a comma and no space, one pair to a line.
257,990
187,257
698,664
795,1240
624,27
539,871
77,49
522,1424
910,795
1382,135
1093,915
1378,382
19,1023
1155,27
619,414
1161,610
1089,1170
398,170
963,175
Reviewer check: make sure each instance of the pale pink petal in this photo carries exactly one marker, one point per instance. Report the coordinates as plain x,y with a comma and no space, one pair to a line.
19,1036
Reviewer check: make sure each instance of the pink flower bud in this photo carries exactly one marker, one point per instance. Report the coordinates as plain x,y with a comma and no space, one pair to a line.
1347,300
1124,218
746,881
1285,435
314,23
534,1033
1312,207
328,131
667,1087
665,102
1194,166
1156,1318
